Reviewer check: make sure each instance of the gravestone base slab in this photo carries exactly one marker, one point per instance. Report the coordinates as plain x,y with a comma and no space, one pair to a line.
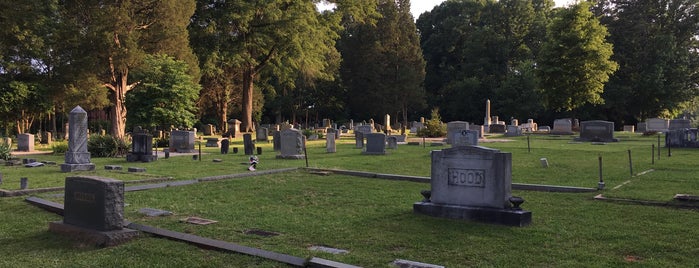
77,167
141,158
293,156
374,153
509,217
93,237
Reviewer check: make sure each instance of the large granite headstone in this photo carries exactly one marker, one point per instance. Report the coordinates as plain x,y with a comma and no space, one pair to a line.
248,146
94,211
562,126
375,143
182,141
473,183
291,144
455,128
679,124
141,148
392,142
25,142
597,131
657,125
77,158
330,143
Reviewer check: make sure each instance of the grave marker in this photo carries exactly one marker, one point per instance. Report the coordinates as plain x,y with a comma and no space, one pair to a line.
375,143
292,143
77,158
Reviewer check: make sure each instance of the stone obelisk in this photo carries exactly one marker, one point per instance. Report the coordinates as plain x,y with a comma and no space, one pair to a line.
486,120
77,157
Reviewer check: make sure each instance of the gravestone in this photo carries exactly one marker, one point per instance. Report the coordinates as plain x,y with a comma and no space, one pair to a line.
47,138
25,142
292,144
276,141
529,126
657,125
392,142
225,144
93,211
375,144
234,128
497,128
208,130
77,158
334,131
416,126
248,146
473,183
597,131
682,138
182,141
330,143
358,139
641,127
679,124
212,142
465,138
141,148
479,128
400,138
262,134
365,129
562,126
455,128
387,123
513,131
629,128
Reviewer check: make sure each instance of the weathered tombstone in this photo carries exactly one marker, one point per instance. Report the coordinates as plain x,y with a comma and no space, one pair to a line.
375,143
77,158
454,128
141,148
641,127
23,183
182,141
93,211
208,130
365,129
473,183
392,142
400,138
234,128
657,125
262,134
225,144
562,126
330,143
480,129
212,142
629,128
682,138
25,142
387,123
497,128
359,139
248,146
276,141
334,131
292,144
513,131
679,124
529,126
465,138
597,131
46,138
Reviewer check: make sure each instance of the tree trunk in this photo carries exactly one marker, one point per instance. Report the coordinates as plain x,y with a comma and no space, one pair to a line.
223,109
118,109
248,80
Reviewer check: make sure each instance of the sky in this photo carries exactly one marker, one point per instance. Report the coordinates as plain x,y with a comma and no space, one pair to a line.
418,7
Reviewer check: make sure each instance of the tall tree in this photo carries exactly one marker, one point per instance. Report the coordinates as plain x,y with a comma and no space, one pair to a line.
575,59
120,34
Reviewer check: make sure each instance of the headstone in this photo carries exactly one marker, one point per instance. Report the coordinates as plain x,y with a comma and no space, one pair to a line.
513,131
473,183
141,148
487,120
292,144
629,128
562,126
375,143
46,138
334,131
400,138
480,129
23,183
212,142
529,126
657,125
682,138
392,142
641,127
94,211
276,141
679,124
365,129
497,128
465,138
359,139
25,142
514,122
387,122
225,144
182,141
208,130
597,131
248,146
454,128
262,134
330,143
77,158
234,128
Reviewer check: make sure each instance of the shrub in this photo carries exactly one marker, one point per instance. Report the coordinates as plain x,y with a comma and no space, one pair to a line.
107,146
5,151
162,142
434,127
60,147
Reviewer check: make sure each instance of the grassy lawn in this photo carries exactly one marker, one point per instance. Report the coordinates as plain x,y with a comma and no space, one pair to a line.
373,218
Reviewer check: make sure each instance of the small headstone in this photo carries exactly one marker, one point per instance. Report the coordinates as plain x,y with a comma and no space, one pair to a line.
562,126
641,127
112,167
152,212
234,128
513,131
375,143
392,142
276,140
34,164
629,128
248,146
23,183
212,142
208,130
198,221
365,129
330,143
217,160
413,264
359,139
225,143
454,128
262,134
25,142
465,138
77,158
544,162
137,169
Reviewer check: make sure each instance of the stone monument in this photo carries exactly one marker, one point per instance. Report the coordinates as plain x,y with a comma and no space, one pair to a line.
182,141
292,143
141,148
562,126
597,131
455,128
465,138
375,143
77,157
25,142
330,143
248,145
358,139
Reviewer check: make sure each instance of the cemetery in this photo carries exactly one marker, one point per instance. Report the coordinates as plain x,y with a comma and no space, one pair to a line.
342,206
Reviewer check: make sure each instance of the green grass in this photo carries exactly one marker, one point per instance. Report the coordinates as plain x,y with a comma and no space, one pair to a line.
373,218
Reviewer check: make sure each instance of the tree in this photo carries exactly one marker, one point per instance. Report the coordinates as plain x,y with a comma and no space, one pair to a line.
575,59
384,62
165,96
116,36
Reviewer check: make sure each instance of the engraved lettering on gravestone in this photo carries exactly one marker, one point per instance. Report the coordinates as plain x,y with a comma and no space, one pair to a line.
467,177
84,197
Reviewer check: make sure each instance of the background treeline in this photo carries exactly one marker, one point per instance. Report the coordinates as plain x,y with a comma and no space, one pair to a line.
183,63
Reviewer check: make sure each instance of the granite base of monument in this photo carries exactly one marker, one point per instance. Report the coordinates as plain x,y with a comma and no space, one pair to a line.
77,167
93,237
141,158
509,217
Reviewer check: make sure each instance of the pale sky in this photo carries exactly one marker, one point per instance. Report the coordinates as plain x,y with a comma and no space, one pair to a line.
418,7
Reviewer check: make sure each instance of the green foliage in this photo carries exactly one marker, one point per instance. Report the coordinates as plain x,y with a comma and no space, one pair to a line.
5,151
434,127
166,95
59,147
162,142
107,146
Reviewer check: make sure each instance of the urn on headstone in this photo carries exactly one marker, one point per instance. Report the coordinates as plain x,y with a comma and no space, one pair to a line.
77,158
